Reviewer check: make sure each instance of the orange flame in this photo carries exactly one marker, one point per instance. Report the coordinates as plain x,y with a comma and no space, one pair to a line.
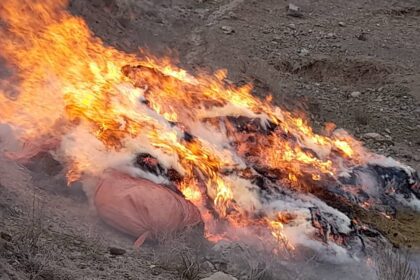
68,78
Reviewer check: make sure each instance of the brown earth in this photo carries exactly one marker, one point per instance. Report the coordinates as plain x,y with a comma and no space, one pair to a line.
312,64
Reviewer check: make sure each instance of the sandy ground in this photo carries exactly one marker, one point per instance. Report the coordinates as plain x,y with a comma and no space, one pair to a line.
354,63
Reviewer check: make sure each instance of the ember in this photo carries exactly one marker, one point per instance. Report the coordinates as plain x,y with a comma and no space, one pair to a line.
240,160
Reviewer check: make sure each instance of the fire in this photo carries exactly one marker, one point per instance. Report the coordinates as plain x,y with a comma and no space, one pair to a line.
68,78
191,191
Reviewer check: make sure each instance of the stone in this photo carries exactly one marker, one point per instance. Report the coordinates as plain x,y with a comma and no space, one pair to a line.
362,36
330,35
378,138
5,236
207,266
303,52
232,15
277,38
220,276
227,29
294,11
372,135
342,24
116,251
355,94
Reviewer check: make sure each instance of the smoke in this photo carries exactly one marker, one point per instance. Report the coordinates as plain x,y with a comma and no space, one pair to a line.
8,140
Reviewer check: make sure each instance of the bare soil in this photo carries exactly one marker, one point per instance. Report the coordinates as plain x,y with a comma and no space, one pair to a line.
312,64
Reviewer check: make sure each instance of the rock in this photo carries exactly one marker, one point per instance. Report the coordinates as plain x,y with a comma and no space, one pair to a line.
117,251
278,38
342,24
294,11
330,35
362,36
227,29
372,135
220,276
303,52
155,272
207,266
232,15
292,26
6,236
378,138
355,94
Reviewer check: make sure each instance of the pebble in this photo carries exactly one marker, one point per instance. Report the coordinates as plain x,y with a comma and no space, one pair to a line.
294,11
227,29
232,15
373,135
5,236
303,52
379,138
362,37
277,38
207,266
342,24
117,251
355,94
330,35
155,272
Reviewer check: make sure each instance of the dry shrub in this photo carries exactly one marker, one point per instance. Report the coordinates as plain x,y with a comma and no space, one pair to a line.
190,268
30,250
180,252
394,265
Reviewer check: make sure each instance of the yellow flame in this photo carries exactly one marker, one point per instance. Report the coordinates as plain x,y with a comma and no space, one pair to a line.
67,77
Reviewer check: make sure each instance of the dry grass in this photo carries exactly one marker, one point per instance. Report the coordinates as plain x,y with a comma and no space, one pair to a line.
190,268
181,253
31,251
394,265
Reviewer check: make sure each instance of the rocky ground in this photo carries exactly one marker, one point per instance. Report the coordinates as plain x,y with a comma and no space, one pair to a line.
353,63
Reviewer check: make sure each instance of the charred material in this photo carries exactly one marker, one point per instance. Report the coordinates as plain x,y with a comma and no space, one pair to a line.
384,182
148,163
326,228
247,125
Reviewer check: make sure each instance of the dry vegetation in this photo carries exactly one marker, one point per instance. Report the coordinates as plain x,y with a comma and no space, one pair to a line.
394,265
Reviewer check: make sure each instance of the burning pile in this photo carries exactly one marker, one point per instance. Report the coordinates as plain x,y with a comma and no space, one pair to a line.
251,168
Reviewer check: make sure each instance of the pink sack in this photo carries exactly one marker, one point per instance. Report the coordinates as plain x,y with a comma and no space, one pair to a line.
142,208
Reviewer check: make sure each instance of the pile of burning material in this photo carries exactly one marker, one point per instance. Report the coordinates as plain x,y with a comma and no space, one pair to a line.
171,150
